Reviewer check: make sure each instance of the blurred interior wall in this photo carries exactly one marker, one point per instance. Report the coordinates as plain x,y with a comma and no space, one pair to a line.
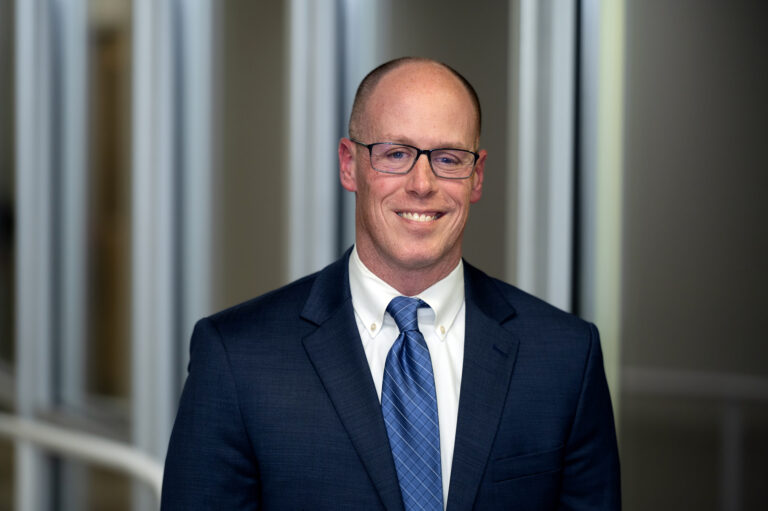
7,182
250,169
7,185
695,250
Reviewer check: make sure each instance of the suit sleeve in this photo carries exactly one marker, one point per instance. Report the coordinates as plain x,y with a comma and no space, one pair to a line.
210,462
591,472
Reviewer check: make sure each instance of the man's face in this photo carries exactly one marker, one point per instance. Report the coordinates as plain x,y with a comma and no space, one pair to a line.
414,221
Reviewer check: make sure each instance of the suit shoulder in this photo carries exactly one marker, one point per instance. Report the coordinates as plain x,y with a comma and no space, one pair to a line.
286,301
527,307
532,307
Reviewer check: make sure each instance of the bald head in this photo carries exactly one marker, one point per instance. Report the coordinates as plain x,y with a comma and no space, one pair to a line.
372,79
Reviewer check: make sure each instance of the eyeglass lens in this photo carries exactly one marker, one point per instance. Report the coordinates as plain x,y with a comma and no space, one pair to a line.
400,158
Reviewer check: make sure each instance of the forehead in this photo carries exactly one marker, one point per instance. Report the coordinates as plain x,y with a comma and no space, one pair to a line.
424,100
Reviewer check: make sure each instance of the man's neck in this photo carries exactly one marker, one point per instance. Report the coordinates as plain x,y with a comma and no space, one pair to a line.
408,281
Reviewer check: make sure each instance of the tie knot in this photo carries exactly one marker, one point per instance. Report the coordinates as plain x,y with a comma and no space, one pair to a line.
403,310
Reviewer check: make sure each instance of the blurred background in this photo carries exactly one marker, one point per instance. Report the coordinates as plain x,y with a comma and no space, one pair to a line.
161,160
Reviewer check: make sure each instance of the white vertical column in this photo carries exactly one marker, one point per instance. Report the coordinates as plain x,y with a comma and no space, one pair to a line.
154,301
365,23
590,44
71,300
198,141
172,157
525,189
74,185
313,130
602,125
34,251
562,164
545,113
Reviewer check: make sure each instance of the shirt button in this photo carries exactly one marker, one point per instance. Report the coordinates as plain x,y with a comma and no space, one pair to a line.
373,327
442,329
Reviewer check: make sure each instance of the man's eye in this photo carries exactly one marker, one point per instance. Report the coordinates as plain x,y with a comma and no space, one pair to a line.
397,154
446,159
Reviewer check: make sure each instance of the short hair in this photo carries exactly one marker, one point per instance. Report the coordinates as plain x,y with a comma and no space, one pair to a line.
368,84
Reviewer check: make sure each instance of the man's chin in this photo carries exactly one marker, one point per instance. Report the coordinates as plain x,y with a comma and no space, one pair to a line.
422,261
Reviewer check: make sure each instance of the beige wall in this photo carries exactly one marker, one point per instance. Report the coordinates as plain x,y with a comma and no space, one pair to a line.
695,240
252,164
697,175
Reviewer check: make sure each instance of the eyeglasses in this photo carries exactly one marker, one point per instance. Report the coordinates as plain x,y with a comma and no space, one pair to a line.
393,158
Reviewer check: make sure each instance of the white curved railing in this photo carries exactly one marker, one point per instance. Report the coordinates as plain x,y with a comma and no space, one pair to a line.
727,387
83,446
730,389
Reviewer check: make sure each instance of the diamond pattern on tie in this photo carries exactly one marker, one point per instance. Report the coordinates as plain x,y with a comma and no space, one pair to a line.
409,406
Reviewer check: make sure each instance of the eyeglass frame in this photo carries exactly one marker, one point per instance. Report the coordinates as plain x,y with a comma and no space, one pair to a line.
419,152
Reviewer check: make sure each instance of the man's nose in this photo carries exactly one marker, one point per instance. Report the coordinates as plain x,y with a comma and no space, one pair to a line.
421,179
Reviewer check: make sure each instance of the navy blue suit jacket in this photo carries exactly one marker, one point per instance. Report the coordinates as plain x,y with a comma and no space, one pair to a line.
279,410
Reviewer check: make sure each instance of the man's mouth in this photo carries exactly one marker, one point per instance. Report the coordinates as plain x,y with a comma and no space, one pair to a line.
419,217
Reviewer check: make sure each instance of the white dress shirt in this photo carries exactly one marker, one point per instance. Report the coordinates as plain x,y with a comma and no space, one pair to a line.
442,326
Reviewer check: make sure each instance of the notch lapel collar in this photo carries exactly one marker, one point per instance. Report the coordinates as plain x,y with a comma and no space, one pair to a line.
489,357
337,354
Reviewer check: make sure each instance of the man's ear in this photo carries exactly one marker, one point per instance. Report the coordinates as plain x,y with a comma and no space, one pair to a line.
347,165
477,178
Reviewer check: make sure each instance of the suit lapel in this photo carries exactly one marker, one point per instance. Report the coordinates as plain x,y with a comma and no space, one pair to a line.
489,356
337,355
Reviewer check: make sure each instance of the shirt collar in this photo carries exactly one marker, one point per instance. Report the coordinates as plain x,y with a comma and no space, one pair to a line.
371,295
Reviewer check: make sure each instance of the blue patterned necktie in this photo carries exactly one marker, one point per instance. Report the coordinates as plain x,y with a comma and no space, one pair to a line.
409,406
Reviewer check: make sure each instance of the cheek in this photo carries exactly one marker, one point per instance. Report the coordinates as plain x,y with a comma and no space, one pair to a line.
365,194
377,193
370,202
462,196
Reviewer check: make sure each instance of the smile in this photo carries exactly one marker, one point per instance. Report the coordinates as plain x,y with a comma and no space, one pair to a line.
419,217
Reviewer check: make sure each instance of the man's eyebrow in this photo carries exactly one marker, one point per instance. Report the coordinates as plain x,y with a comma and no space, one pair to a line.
408,141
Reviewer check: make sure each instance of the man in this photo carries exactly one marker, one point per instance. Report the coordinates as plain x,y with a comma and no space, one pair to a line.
398,377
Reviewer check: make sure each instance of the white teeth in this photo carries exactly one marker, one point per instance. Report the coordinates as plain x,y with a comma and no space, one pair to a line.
417,217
